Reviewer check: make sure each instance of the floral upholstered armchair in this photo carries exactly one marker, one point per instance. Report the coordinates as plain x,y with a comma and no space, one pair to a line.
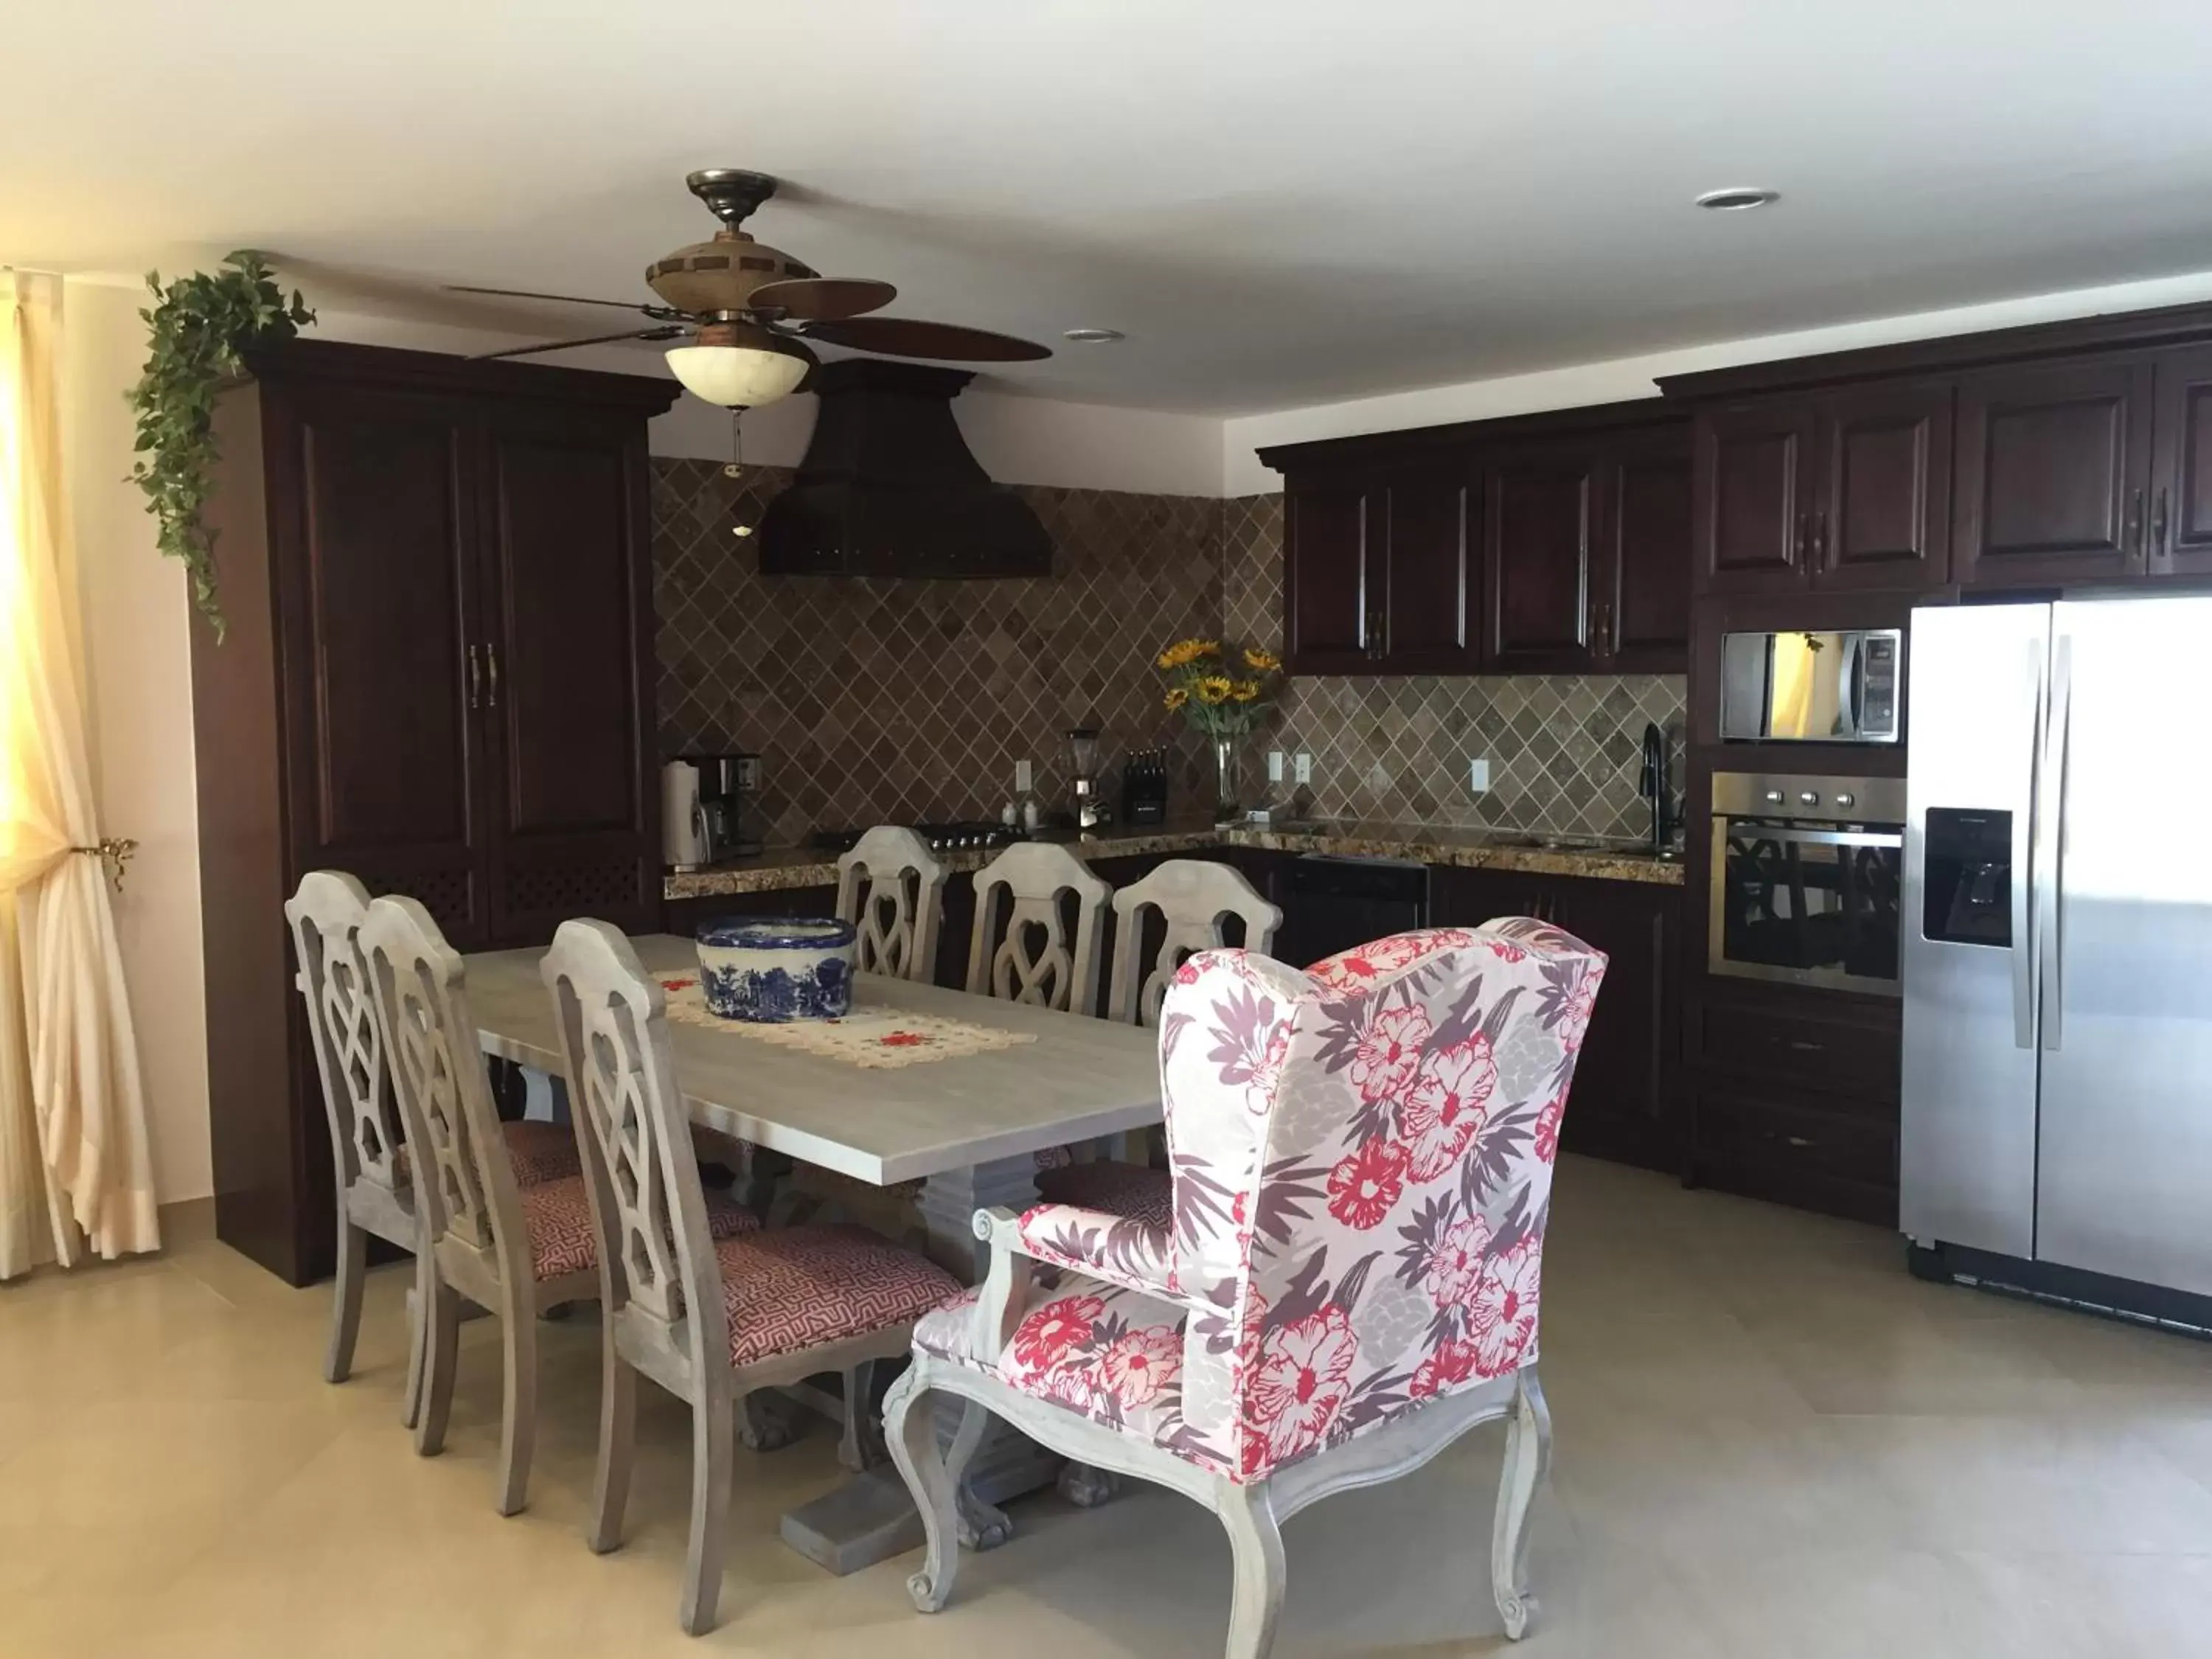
1362,1165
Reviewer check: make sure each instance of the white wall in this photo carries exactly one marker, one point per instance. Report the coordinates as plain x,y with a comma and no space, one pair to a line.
1633,377
138,675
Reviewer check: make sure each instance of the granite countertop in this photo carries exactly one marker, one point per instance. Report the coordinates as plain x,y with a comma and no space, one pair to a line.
782,868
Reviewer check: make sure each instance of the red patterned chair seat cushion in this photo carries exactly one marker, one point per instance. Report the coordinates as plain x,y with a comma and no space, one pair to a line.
1123,1189
559,1216
539,1153
797,1287
1103,1352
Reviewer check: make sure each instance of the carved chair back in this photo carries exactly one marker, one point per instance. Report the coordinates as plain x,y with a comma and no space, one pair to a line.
648,1207
1361,1165
892,888
1190,896
1020,896
466,1187
326,915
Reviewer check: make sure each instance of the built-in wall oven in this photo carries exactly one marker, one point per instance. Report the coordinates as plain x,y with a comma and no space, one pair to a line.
1807,873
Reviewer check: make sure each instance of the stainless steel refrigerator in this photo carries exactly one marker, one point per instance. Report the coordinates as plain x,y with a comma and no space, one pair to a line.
2058,949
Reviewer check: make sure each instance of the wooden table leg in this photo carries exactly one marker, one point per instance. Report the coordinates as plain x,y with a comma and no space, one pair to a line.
871,1517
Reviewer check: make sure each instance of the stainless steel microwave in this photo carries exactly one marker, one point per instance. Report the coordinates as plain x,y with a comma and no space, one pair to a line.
1846,687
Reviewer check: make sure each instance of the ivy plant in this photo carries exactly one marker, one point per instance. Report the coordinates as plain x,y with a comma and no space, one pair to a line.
197,332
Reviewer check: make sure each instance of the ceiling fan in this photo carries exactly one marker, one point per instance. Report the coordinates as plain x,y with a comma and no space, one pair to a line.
751,310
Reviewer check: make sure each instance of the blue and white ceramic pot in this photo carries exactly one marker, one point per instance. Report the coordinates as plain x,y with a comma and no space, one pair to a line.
771,970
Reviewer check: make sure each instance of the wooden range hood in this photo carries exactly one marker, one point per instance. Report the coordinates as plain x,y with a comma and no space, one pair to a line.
889,486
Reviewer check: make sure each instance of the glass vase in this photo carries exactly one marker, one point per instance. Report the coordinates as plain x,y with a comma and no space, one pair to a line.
1225,809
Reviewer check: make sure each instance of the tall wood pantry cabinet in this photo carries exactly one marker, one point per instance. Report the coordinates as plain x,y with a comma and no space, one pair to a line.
438,675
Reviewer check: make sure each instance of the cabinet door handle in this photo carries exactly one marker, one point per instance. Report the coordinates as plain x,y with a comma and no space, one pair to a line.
491,661
1821,541
2135,522
1804,522
476,677
2158,526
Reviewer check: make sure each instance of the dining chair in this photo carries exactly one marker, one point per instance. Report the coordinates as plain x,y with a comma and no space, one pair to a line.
1020,951
1363,1157
892,888
710,1322
513,1249
1189,897
375,1196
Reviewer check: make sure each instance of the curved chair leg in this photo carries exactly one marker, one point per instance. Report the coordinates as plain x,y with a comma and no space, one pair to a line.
983,1526
1255,1545
764,1422
617,1446
518,1428
442,1341
911,1428
346,1300
1527,1456
711,1431
418,1334
1087,1487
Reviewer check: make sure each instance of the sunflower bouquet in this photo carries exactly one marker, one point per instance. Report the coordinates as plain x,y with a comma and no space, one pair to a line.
1223,692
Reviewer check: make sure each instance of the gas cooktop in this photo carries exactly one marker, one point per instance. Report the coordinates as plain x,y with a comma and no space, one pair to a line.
949,837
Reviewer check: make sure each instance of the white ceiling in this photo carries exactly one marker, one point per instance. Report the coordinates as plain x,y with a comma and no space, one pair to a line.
1280,202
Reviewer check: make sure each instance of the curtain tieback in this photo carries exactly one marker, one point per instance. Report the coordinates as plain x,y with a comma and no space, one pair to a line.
114,852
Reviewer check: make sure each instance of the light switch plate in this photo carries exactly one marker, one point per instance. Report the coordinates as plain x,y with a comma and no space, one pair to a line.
1274,766
1305,766
1478,775
1024,778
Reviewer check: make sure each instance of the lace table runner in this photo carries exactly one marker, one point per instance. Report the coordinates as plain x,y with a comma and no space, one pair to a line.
877,1041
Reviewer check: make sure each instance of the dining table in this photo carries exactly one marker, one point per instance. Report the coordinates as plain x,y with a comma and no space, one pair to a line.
968,1126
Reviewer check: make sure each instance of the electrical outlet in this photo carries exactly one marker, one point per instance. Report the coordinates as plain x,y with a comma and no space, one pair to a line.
1478,775
1024,780
1305,766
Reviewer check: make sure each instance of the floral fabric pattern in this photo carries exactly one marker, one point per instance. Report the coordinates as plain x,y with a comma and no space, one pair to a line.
1361,1162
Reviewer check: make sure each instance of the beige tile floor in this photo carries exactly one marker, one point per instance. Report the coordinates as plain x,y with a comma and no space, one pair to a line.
1770,1441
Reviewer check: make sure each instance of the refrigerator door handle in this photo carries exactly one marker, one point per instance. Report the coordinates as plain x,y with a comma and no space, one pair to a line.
2023,886
2051,827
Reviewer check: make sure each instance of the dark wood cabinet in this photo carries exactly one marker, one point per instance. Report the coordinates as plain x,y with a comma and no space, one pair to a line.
1644,580
2180,532
1329,623
1542,544
2053,469
1842,489
1540,533
437,677
1750,517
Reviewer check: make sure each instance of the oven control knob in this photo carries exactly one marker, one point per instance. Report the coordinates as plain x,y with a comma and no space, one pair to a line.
1809,797
1847,800
1774,797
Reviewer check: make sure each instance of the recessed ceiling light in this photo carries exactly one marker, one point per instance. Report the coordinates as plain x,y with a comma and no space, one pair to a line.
1092,336
1738,199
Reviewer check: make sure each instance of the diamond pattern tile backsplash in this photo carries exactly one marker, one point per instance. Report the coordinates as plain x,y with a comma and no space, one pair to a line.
1565,749
872,701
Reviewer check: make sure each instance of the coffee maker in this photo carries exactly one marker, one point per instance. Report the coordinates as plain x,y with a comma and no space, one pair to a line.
1082,756
702,809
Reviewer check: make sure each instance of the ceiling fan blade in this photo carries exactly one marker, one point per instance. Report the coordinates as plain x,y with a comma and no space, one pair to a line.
667,331
822,299
900,337
525,293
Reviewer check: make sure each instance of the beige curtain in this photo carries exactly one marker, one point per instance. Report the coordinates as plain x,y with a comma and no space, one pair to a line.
74,1167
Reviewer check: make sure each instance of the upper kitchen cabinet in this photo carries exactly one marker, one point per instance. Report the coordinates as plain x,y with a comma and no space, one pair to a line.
2053,472
1843,490
1378,574
2180,528
1548,544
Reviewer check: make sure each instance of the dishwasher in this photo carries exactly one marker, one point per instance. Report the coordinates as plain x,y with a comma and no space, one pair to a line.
1332,901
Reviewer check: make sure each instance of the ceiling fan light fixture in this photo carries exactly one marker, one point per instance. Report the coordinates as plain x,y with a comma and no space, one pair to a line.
739,367
1092,336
